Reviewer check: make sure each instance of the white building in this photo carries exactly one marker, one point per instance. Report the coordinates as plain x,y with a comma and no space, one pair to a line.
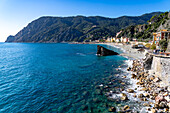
124,39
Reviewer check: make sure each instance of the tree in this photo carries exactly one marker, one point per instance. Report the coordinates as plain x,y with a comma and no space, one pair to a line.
163,44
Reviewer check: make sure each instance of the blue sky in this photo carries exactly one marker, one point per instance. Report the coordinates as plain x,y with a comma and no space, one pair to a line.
16,14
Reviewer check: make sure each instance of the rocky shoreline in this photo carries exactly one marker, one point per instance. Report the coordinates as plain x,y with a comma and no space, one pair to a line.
146,91
146,88
156,98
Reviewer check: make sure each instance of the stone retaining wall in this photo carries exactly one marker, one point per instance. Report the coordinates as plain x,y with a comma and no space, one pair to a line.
168,48
161,67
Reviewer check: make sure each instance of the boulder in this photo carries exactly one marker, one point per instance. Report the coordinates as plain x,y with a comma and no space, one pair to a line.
163,105
126,107
157,79
153,110
112,109
146,104
159,98
165,109
134,76
128,69
101,51
130,91
124,97
146,94
140,95
135,95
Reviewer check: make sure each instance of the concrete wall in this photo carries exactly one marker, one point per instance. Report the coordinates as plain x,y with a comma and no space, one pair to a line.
161,67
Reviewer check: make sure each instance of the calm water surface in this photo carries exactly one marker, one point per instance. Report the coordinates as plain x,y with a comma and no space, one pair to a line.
53,77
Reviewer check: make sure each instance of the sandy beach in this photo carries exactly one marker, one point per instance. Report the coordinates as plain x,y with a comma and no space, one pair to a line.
127,50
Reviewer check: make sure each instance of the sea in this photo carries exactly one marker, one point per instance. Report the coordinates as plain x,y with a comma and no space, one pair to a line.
58,78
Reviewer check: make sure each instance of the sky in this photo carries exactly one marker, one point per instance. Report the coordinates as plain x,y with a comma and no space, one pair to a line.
17,14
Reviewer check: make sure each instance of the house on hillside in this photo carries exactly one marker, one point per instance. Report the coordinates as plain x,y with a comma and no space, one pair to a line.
117,40
163,34
109,39
124,39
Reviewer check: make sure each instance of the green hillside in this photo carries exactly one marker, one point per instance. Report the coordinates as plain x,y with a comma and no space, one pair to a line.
145,31
79,28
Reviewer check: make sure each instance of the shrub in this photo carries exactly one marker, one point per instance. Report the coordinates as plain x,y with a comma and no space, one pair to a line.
153,46
163,22
101,40
148,45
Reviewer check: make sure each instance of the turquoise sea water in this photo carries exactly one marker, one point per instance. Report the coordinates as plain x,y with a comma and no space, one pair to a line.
54,77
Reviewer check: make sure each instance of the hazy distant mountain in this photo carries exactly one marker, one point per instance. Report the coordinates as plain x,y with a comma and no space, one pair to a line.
79,28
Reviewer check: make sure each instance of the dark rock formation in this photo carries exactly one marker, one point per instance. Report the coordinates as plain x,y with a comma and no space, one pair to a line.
101,51
148,62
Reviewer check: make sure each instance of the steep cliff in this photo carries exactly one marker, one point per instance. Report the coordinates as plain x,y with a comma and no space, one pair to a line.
79,28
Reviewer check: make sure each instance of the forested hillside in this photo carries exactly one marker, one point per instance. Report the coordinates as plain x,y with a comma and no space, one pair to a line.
79,28
145,31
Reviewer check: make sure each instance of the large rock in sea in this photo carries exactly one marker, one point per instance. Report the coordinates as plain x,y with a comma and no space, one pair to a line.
101,51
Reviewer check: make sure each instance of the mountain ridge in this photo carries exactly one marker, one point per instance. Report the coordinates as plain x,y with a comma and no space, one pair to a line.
50,29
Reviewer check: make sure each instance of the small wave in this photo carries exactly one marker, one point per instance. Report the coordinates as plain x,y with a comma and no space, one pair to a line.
85,66
129,62
81,54
115,46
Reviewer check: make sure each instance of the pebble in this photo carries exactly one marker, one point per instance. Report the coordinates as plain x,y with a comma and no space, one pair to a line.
126,107
130,91
153,110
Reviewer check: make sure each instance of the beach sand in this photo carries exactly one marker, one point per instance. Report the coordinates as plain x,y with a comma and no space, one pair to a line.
128,50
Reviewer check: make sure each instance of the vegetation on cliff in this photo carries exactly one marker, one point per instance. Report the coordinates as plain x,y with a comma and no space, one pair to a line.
163,44
79,28
144,31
